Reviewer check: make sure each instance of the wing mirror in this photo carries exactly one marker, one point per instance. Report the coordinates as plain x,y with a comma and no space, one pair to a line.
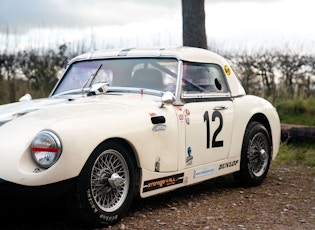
98,88
167,98
26,97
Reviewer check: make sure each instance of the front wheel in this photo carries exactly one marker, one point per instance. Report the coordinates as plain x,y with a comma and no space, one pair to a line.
255,155
106,185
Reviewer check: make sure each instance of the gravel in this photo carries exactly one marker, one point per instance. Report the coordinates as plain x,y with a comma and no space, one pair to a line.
286,200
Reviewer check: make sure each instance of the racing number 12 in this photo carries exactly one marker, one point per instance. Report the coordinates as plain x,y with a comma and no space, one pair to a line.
215,114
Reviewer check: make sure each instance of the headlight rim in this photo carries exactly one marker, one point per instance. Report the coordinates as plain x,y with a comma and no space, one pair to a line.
57,150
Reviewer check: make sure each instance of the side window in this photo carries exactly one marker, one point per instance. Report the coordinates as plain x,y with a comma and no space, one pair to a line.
203,78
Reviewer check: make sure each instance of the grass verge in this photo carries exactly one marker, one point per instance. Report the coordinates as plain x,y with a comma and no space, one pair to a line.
297,111
301,153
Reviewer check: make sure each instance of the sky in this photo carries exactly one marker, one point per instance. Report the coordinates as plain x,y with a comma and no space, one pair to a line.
231,25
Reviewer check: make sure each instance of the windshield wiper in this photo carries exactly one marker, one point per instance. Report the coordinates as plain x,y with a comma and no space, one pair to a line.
91,78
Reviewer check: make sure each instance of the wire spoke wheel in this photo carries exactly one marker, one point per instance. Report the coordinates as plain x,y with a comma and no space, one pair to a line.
258,157
107,184
110,180
255,155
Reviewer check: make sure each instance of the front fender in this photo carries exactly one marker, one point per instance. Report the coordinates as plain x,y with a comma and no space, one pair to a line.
81,134
246,108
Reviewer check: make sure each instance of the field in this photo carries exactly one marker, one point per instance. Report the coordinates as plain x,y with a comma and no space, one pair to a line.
296,111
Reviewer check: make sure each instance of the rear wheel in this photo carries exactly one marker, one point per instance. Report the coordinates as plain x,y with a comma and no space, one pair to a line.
106,185
255,156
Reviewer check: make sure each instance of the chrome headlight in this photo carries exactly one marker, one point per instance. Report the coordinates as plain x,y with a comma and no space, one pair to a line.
46,149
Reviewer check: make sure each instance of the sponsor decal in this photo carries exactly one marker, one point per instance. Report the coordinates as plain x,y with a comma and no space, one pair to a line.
189,157
187,113
183,114
187,120
203,172
227,70
178,108
163,182
157,128
185,180
181,117
228,165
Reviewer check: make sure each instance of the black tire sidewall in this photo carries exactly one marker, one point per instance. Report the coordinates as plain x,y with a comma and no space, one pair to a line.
88,206
245,175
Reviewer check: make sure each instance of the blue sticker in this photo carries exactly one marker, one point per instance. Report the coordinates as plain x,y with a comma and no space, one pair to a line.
189,157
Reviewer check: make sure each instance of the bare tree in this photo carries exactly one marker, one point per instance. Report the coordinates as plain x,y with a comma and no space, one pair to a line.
42,70
292,67
194,30
245,69
9,64
264,64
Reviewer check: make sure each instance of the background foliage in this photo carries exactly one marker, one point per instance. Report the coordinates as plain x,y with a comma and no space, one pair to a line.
287,79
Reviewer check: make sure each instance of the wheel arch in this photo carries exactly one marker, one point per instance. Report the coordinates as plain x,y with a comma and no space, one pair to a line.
134,156
127,145
261,118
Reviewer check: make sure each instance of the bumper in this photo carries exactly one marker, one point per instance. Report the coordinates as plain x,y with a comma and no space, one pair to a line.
51,191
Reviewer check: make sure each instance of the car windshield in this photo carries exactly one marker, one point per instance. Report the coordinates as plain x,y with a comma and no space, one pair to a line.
159,74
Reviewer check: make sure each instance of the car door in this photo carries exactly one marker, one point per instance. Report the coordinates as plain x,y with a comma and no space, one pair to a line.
208,112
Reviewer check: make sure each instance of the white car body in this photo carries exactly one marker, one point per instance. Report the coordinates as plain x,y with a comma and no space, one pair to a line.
195,137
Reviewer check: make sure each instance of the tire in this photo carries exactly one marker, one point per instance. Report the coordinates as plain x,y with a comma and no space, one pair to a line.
106,185
255,155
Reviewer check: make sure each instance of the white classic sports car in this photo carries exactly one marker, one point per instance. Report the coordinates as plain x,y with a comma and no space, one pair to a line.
122,123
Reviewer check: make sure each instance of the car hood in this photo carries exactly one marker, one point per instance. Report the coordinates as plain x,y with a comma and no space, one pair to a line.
9,112
23,120
56,108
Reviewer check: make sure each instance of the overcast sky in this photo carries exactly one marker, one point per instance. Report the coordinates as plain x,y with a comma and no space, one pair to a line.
230,24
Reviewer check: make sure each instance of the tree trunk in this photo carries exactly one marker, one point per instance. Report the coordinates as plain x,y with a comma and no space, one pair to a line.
297,133
194,30
11,91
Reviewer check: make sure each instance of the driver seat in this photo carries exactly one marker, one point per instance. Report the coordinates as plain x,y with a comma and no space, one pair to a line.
148,79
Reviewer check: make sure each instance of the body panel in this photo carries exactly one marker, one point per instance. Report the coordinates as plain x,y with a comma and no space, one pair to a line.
208,131
131,122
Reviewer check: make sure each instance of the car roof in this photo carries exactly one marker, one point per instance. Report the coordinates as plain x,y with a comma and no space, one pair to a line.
183,53
190,54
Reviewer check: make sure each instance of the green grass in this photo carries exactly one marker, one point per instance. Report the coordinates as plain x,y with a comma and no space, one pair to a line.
302,153
297,111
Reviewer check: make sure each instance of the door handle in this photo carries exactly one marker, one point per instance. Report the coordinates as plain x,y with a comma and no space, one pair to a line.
221,107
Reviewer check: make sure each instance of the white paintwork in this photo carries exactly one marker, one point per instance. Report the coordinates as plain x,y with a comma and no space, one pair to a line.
83,123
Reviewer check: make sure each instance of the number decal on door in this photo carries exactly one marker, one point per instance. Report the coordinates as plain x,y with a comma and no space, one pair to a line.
206,119
215,143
